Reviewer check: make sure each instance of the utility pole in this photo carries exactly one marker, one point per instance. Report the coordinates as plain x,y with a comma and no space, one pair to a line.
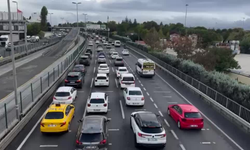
13,61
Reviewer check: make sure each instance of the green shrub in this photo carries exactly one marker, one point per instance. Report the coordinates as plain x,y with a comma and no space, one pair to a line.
41,34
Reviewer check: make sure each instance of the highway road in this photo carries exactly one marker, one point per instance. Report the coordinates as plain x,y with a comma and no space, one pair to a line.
159,92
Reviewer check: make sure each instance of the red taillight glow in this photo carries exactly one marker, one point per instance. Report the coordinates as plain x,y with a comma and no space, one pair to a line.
78,81
128,98
164,135
78,142
89,105
103,142
105,105
142,98
66,81
54,97
121,82
70,97
201,120
42,124
62,124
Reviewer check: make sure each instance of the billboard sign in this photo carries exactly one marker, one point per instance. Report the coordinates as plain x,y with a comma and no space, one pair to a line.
103,27
93,26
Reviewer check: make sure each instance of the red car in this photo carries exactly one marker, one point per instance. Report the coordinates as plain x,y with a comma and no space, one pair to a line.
186,116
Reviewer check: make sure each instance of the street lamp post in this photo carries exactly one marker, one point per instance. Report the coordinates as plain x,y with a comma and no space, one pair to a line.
13,61
108,26
85,16
76,3
186,19
50,18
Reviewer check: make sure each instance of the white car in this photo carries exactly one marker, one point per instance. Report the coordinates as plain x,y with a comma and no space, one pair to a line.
103,68
101,80
99,49
133,96
147,129
98,102
117,43
114,55
105,43
127,80
125,52
91,43
121,70
97,42
65,95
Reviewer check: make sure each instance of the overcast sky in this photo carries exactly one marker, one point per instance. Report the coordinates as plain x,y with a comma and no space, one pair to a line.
208,13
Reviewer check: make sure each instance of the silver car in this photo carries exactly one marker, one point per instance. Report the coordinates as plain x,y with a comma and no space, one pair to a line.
101,59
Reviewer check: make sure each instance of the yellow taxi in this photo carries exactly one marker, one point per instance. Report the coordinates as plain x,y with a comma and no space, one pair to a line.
57,118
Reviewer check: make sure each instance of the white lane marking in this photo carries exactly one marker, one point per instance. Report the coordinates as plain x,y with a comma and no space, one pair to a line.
214,142
113,69
236,144
151,99
182,147
161,91
139,81
160,113
123,116
206,143
110,61
147,93
175,136
155,106
110,144
113,129
144,89
94,70
141,84
31,131
48,145
172,102
166,122
116,83
91,83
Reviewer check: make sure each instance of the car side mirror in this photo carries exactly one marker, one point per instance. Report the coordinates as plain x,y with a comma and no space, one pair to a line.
132,115
157,115
108,120
79,121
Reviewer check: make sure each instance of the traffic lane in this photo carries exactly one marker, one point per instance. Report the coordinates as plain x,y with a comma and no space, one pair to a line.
196,100
65,140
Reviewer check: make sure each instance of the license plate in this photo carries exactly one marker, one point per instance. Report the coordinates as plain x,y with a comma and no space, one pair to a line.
101,83
135,103
51,125
90,147
152,139
72,82
193,126
62,102
96,109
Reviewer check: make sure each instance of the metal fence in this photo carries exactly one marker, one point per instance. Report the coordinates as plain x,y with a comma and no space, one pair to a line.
231,105
29,96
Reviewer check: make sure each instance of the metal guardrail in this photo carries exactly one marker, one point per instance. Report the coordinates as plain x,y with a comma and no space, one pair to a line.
234,111
28,93
20,51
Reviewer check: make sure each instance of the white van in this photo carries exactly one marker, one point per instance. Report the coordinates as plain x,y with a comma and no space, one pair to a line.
127,80
145,67
117,43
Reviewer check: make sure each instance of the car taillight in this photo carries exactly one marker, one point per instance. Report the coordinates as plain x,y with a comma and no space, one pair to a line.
105,105
201,120
42,124
183,119
78,142
89,105
128,98
163,135
62,124
141,135
121,82
70,97
142,98
103,142
66,81
78,81
54,97
133,82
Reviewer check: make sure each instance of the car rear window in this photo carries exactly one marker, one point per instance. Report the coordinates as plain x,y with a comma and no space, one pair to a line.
103,66
115,53
192,115
97,100
83,58
54,115
151,129
128,79
91,137
101,78
119,59
72,77
101,56
62,94
122,69
135,93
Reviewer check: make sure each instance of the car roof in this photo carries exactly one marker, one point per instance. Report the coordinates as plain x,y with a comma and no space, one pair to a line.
134,88
84,56
127,75
97,95
57,107
103,64
188,108
93,124
64,89
101,75
119,58
74,73
79,65
149,119
122,68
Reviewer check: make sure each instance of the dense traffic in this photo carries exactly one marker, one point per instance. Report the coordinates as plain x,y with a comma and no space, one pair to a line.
92,132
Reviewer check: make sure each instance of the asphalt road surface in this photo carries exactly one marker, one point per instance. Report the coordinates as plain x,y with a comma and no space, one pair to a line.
159,92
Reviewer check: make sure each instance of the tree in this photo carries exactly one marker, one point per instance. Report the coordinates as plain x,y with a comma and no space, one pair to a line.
184,48
245,44
152,39
139,30
43,15
33,29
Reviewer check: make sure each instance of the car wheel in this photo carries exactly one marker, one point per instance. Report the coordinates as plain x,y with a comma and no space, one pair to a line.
179,124
130,124
136,144
168,112
68,127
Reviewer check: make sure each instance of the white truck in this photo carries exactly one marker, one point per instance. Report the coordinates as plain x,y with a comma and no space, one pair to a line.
5,40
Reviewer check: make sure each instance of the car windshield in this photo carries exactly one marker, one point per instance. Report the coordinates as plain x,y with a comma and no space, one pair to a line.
91,137
135,93
54,115
128,79
62,94
192,115
97,100
122,70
